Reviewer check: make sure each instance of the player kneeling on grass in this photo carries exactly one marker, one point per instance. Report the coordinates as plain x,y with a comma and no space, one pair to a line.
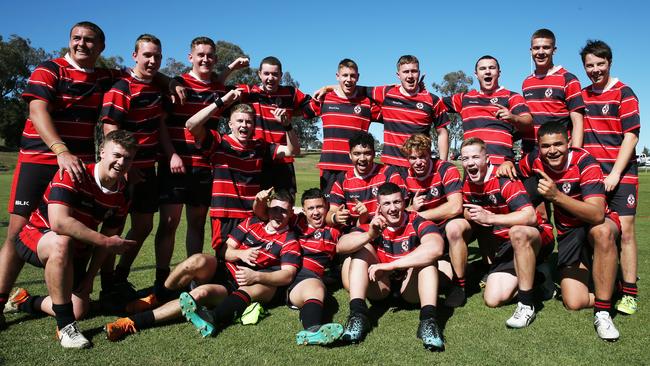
62,235
395,249
506,226
260,257
572,180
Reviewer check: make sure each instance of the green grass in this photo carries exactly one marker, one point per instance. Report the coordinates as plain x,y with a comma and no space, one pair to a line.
474,333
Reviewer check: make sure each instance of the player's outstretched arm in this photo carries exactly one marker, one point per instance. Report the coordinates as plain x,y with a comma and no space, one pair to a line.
239,63
352,242
195,123
448,210
281,277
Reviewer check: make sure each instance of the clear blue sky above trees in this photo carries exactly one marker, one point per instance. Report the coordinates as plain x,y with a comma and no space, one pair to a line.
311,37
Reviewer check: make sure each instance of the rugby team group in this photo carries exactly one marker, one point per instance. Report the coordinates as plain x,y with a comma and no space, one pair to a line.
396,229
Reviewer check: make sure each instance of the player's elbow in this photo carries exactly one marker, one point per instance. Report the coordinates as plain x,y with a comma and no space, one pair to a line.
597,218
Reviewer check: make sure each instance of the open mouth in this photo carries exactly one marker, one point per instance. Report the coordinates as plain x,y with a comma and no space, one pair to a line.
488,79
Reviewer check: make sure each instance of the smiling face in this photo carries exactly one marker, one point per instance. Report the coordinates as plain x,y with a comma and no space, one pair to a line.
553,149
420,162
84,46
279,214
241,126
474,160
115,160
203,60
487,72
391,207
347,78
270,75
362,159
147,60
409,76
542,51
315,210
597,69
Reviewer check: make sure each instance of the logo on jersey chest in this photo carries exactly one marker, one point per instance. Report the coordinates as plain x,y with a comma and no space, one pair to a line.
494,100
631,201
405,245
357,109
419,105
374,191
493,199
605,109
268,246
566,187
548,93
434,192
318,235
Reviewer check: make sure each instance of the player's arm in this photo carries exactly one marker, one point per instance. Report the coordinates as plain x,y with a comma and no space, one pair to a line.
177,91
450,209
431,248
176,165
239,63
292,148
195,124
233,253
524,216
590,210
281,277
625,153
577,131
40,116
443,143
260,204
355,240
96,261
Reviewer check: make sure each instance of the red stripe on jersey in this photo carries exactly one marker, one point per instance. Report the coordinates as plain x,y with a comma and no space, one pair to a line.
74,97
551,98
341,118
350,188
236,171
199,95
442,181
276,249
267,127
318,245
404,116
137,107
582,178
478,110
609,115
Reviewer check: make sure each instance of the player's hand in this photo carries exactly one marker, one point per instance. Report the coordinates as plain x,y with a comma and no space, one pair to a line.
504,114
478,214
134,176
115,244
320,93
546,186
342,216
178,93
249,256
377,226
176,165
232,96
264,195
246,276
611,181
507,170
377,271
281,115
239,63
360,208
418,200
421,84
72,164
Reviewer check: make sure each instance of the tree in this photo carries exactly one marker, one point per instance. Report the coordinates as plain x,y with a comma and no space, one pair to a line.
646,151
174,68
17,61
452,83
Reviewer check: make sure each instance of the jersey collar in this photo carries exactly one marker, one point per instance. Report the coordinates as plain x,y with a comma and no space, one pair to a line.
75,65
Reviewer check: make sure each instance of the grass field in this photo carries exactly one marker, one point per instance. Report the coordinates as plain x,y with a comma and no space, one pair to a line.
474,334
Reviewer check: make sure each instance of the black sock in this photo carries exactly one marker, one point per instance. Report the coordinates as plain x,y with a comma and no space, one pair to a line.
161,275
231,307
3,299
64,314
107,278
526,297
32,305
159,288
358,306
427,312
311,313
629,289
602,305
143,320
121,274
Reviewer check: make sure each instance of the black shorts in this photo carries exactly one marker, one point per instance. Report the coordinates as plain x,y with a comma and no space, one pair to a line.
328,178
221,227
145,193
278,175
223,277
573,247
504,259
29,183
194,188
303,274
624,199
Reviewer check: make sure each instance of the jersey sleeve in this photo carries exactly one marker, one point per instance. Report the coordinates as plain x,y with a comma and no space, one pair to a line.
211,144
313,109
591,178
526,164
514,193
451,181
291,253
573,93
518,105
63,191
42,83
439,111
300,99
238,234
423,226
454,103
375,93
629,111
116,104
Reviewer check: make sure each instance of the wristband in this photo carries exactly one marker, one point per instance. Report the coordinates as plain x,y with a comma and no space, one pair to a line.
218,102
288,128
57,142
59,148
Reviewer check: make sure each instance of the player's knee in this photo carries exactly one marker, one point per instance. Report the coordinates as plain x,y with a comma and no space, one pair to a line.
196,262
574,303
520,235
603,238
491,300
200,292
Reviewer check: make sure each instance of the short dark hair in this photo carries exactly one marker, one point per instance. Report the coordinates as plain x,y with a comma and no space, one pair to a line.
123,138
93,27
597,48
543,33
552,127
388,188
271,60
284,196
202,40
362,138
312,193
346,62
487,57
146,37
407,59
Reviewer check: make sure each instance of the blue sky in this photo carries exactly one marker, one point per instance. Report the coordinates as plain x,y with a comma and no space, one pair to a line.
311,37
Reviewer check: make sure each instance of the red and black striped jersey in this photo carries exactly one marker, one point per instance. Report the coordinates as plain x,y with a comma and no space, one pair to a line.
136,106
74,96
342,118
442,180
498,195
404,116
200,94
352,188
394,243
318,245
550,97
91,203
267,127
236,171
609,115
581,178
478,110
276,249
